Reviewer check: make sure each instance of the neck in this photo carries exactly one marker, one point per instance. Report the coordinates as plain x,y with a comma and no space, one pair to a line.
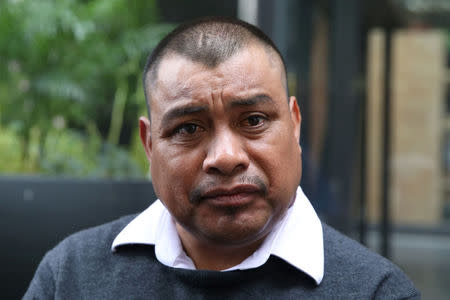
214,257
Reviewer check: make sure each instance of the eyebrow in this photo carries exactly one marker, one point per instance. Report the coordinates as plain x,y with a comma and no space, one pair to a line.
182,111
191,109
258,99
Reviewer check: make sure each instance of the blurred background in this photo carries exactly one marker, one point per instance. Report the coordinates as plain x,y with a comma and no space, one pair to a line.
372,79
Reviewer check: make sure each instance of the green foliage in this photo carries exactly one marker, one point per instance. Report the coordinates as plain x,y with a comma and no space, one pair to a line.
71,66
68,152
10,149
448,39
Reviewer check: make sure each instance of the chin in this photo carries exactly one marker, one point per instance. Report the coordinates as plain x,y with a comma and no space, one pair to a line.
238,232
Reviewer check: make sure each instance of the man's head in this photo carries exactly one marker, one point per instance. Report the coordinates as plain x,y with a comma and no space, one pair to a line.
222,141
209,41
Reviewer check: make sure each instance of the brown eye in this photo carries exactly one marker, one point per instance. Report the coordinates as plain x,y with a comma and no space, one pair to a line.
255,120
188,128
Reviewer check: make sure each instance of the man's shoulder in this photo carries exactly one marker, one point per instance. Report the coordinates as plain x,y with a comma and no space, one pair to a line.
340,246
84,266
98,237
85,251
348,263
344,251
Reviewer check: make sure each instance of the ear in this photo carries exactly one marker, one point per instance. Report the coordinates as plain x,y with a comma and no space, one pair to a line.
146,136
296,117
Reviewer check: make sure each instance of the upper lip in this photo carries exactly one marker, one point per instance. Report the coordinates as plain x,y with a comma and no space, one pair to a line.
220,191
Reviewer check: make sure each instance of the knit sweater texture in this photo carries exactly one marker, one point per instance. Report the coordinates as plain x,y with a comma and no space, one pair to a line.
84,267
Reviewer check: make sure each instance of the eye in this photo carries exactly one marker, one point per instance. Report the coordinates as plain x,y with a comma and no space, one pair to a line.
185,133
187,129
254,121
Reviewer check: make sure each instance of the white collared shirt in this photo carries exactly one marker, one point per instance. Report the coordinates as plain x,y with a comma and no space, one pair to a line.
296,238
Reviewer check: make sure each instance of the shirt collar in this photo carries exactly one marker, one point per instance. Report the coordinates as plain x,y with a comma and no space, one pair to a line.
297,239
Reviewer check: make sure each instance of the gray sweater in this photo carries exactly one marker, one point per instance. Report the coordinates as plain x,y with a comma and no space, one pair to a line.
83,267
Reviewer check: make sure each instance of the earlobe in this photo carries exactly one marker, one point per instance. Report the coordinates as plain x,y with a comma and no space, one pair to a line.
295,116
146,136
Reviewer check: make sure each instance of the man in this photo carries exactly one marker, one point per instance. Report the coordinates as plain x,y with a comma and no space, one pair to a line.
222,140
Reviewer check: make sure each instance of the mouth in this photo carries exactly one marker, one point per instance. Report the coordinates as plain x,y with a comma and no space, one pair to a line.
235,196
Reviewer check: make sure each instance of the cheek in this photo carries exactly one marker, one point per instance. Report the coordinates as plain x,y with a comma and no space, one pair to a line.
278,151
277,155
174,172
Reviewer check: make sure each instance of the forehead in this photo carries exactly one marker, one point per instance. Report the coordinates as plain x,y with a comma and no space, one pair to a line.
252,70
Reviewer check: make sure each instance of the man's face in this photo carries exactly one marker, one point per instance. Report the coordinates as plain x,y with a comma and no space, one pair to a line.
223,145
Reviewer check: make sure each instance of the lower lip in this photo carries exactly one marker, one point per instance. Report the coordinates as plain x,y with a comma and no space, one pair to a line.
234,200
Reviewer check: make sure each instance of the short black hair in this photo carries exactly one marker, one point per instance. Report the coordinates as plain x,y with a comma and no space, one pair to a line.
208,40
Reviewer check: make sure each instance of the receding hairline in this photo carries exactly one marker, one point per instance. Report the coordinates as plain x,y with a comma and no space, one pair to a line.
209,41
151,78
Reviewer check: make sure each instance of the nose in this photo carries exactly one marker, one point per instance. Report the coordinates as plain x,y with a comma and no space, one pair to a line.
226,154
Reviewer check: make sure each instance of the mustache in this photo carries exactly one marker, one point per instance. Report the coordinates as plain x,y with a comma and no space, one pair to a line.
197,193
